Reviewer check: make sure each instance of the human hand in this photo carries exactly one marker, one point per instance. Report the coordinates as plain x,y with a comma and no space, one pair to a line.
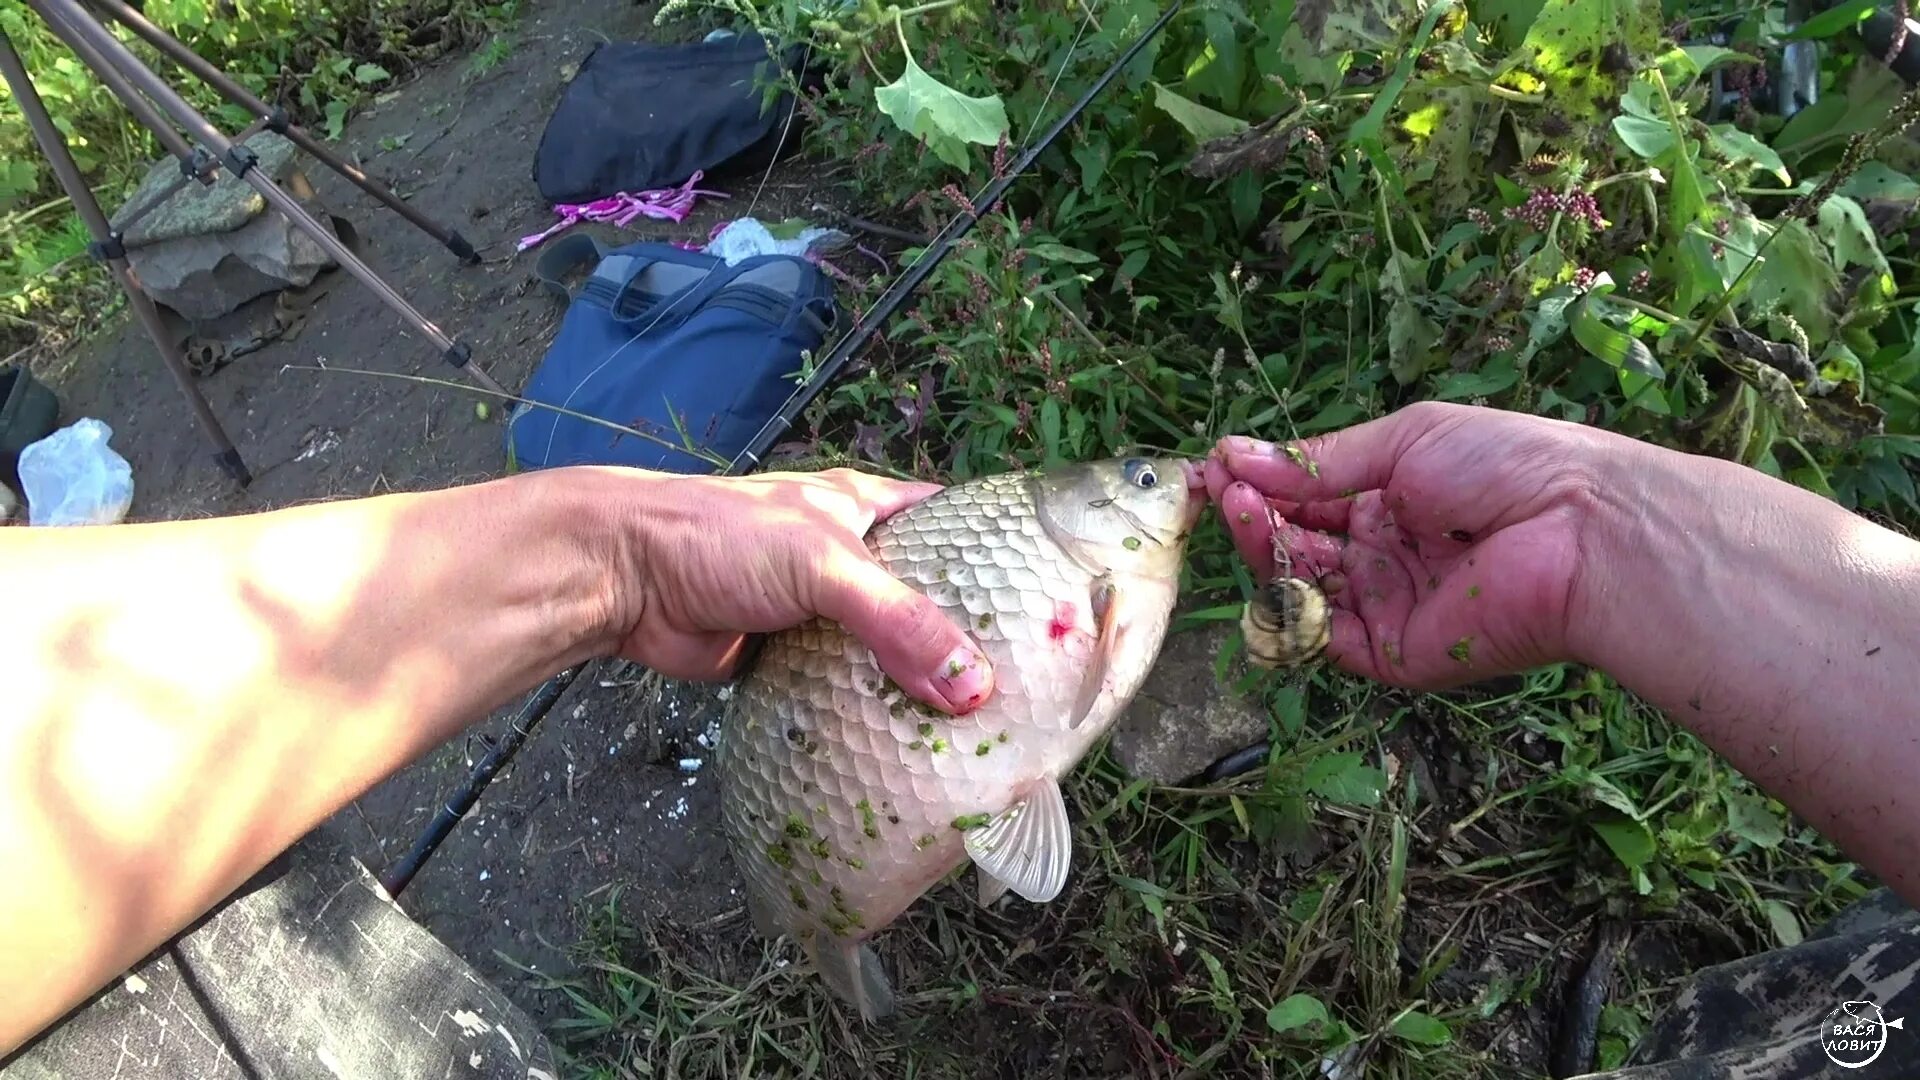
1447,537
723,557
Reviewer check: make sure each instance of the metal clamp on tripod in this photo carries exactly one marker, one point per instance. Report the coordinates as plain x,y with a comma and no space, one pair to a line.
202,153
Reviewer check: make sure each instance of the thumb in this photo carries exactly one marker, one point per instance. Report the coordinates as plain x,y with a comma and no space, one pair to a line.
928,654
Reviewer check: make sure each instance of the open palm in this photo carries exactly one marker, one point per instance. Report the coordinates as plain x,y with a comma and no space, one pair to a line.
1447,537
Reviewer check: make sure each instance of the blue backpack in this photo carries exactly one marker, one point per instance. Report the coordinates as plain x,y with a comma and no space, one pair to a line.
670,342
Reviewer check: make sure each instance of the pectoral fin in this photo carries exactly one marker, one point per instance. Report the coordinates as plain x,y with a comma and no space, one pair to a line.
991,888
1028,847
1106,606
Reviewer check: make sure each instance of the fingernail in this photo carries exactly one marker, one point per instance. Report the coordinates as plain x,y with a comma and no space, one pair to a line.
1242,444
965,678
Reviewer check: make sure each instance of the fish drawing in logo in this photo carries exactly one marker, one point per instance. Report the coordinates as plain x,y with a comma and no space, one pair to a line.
1854,1034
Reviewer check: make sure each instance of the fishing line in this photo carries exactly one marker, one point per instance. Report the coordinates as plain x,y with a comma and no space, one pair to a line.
549,693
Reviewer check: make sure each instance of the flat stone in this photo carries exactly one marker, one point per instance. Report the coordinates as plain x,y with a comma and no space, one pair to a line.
196,210
205,251
1184,719
206,277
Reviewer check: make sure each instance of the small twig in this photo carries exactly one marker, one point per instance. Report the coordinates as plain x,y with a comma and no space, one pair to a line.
874,227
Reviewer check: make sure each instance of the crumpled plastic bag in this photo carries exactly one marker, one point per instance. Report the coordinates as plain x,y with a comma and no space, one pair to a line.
746,237
72,477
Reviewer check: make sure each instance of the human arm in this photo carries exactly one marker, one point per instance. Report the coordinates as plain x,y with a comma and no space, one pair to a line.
1777,626
186,699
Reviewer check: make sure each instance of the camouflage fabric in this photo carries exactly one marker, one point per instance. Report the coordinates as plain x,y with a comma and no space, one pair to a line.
1764,1016
308,970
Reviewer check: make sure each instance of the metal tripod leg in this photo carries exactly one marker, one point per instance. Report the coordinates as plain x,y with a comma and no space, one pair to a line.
239,161
278,121
107,248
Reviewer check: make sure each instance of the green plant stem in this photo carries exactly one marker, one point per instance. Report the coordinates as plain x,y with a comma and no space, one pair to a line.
922,9
1511,94
1894,389
1664,316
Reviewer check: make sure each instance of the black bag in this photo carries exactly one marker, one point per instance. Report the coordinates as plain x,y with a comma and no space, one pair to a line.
640,116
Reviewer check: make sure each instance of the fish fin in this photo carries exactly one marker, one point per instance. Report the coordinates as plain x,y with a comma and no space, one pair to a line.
853,973
1106,604
1028,846
991,888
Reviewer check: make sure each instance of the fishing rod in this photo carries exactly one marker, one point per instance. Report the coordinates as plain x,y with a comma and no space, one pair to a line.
550,692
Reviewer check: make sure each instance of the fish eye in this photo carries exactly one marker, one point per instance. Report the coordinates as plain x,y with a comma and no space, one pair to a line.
1140,474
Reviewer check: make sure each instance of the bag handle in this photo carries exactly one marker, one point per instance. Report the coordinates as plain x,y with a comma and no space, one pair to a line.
563,257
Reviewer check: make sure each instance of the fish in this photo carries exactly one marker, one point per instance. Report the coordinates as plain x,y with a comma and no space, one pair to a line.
844,800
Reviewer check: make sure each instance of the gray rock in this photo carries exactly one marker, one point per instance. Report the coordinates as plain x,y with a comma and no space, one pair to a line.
195,210
1184,719
205,251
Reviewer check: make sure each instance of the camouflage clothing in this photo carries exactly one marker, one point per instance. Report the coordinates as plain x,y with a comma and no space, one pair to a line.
1763,1016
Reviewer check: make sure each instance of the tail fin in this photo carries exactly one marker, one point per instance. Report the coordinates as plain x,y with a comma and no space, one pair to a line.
853,973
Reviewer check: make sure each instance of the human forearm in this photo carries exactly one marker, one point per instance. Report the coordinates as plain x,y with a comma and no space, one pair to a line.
1780,628
186,699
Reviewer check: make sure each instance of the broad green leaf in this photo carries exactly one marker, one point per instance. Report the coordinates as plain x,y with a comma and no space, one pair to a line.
1797,276
1629,840
1202,123
1345,778
1739,148
1641,100
1785,925
1609,343
1549,324
1092,154
1410,340
1296,1011
1843,225
1567,46
1508,20
1498,374
1870,94
1417,1027
1875,180
1689,60
1647,138
368,74
923,107
1837,19
1749,819
1063,253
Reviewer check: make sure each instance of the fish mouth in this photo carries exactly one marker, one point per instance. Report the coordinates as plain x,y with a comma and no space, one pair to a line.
1196,493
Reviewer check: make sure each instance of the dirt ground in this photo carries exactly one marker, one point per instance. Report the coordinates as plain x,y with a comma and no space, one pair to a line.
610,793
598,796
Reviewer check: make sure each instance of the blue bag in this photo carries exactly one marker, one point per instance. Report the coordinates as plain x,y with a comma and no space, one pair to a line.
671,342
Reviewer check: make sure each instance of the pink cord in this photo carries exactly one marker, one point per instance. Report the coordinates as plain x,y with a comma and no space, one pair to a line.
662,204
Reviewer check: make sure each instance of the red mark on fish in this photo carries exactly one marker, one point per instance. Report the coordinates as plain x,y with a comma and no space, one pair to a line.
1064,618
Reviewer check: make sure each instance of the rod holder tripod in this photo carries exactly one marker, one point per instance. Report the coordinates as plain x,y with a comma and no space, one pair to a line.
202,153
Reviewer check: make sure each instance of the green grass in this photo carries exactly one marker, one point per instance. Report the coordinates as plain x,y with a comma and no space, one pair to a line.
1410,880
1429,892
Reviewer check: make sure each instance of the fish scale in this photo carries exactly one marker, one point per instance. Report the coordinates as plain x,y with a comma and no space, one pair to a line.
843,798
